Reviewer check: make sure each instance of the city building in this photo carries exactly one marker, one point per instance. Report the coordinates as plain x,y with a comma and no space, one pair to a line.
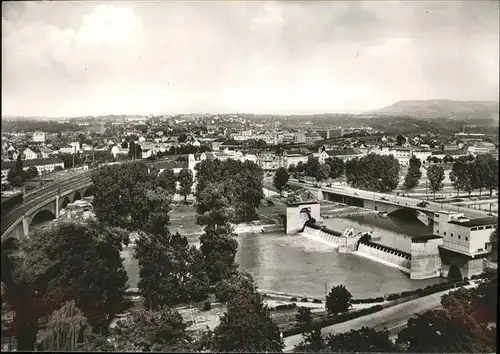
39,137
463,235
29,154
344,154
334,133
299,138
482,148
42,165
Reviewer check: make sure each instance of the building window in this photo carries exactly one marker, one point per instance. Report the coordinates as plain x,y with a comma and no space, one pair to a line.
480,228
452,235
466,238
488,227
474,229
445,233
459,237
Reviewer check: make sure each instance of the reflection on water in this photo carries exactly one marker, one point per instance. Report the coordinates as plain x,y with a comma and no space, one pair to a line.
298,265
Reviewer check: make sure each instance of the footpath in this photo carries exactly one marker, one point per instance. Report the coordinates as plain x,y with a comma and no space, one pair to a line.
392,317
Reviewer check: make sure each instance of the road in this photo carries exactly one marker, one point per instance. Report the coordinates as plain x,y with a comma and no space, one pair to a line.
33,199
392,318
395,200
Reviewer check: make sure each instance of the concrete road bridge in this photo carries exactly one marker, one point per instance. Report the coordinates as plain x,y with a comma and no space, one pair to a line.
45,204
388,203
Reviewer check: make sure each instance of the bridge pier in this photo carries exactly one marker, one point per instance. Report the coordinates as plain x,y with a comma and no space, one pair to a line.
26,227
57,207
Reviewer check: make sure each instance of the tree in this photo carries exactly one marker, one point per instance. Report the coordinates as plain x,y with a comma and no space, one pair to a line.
246,325
375,172
145,330
323,172
124,145
66,328
31,173
16,175
462,176
170,271
280,179
300,167
336,166
494,243
185,182
312,167
78,262
444,331
487,169
364,340
58,168
304,316
182,138
412,178
292,169
128,196
448,158
338,300
313,341
134,150
168,181
435,174
226,289
400,140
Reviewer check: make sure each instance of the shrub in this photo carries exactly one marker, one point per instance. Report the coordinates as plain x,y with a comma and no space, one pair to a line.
206,306
304,299
285,307
368,300
317,301
293,299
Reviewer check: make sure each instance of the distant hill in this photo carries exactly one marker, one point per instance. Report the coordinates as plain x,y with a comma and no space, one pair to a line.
442,109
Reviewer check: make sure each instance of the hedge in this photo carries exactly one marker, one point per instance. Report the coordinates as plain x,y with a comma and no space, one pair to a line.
285,307
428,290
368,300
317,301
304,299
328,321
293,299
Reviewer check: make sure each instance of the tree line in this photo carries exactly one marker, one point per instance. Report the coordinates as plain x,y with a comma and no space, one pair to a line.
17,175
461,326
469,173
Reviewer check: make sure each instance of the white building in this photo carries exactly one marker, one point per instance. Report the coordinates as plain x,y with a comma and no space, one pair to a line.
118,150
39,137
470,237
29,154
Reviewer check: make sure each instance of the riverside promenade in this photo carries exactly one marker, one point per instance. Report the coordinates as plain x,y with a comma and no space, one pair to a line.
394,317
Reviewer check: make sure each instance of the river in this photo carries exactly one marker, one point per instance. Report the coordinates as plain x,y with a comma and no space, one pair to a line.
296,264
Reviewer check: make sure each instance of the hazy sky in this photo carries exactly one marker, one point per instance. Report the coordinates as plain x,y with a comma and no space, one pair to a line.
89,58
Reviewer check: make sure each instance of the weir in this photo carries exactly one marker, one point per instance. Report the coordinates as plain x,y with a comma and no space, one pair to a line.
385,255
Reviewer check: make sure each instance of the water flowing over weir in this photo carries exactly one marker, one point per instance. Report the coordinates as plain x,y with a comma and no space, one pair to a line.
359,244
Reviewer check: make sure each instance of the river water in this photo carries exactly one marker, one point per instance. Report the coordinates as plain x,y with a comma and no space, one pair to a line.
296,264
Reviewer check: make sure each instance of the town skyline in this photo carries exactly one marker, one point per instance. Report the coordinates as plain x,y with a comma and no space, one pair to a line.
93,59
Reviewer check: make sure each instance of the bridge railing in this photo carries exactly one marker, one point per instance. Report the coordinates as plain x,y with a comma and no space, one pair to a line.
49,192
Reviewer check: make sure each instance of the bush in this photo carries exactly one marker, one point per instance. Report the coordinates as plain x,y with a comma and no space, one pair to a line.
328,321
317,301
304,299
206,306
293,299
368,300
285,307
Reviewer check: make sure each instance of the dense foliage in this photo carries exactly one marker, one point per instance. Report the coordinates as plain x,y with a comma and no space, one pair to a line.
338,300
246,325
413,174
144,330
185,182
243,182
280,179
132,197
435,175
376,172
171,271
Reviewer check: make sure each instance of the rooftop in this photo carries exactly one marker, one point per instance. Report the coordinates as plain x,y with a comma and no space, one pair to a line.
489,220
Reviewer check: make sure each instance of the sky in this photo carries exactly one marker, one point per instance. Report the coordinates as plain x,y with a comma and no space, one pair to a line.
81,58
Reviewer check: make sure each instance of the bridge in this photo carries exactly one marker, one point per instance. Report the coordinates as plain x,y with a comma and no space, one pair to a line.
44,204
382,202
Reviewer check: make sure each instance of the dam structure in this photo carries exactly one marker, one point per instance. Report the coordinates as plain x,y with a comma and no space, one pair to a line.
423,262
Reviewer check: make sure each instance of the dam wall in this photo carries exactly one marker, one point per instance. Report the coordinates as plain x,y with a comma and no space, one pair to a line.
425,258
345,242
385,255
